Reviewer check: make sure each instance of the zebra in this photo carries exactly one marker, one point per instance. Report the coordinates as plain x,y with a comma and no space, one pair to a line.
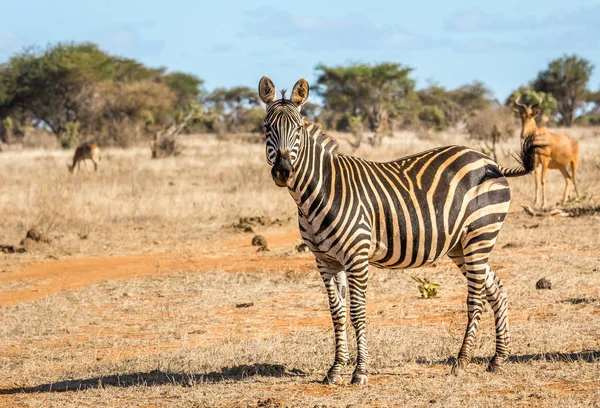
405,213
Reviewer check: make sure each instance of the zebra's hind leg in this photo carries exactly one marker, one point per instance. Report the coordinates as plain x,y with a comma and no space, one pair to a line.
334,278
497,298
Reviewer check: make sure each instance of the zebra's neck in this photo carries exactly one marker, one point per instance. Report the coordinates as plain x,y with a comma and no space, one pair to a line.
313,178
315,132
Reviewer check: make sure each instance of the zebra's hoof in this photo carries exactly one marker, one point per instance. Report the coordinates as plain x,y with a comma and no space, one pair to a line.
332,379
495,367
359,379
458,368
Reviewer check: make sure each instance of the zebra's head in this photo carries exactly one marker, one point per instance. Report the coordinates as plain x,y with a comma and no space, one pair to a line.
283,126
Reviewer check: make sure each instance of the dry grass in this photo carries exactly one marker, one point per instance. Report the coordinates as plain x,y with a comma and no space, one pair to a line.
134,204
179,340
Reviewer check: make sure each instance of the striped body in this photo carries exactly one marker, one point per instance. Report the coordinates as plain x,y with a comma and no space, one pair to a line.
413,209
401,214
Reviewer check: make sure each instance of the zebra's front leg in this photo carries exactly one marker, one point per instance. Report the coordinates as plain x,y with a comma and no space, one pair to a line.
335,284
358,275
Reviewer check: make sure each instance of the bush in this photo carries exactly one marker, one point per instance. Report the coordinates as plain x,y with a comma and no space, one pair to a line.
490,126
432,116
591,119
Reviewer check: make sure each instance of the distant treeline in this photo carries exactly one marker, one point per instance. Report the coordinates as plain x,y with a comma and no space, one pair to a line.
74,89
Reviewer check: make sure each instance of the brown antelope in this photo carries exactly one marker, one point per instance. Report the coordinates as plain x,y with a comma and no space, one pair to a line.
560,151
83,152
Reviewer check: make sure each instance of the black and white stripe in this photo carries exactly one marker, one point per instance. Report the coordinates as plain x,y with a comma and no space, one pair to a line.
401,214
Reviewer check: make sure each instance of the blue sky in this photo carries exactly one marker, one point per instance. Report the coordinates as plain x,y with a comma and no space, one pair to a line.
227,43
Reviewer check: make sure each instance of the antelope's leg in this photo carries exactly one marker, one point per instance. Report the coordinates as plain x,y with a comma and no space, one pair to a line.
573,174
544,175
567,177
538,176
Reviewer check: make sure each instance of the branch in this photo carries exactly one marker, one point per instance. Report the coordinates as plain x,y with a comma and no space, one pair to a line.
176,128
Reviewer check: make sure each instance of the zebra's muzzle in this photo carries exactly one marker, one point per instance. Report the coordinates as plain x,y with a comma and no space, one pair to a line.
282,170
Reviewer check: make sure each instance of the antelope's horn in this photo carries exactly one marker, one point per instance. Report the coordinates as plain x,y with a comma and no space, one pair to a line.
537,104
519,104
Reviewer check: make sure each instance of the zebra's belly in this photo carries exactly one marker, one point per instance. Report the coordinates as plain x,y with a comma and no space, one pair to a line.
411,251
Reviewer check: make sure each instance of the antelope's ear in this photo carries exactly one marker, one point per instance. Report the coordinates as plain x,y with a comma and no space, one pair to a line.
516,110
266,90
536,112
300,92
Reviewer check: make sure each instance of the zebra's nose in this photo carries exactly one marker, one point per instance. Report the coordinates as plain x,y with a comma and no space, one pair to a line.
282,170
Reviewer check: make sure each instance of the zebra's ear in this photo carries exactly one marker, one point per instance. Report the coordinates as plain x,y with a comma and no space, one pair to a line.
266,90
300,92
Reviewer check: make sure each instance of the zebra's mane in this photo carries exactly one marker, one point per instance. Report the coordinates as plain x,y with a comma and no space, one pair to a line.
317,133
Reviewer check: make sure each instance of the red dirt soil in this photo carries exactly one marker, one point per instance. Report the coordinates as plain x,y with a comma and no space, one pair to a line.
232,254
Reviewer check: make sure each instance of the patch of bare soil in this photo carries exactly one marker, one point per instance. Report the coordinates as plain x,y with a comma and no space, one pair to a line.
231,254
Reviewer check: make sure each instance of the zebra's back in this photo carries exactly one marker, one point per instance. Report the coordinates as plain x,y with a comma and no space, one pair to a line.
415,208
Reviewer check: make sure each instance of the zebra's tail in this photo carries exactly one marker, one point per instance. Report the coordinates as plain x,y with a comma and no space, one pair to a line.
526,159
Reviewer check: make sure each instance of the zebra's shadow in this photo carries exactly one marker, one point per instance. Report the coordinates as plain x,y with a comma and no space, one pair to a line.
158,377
588,356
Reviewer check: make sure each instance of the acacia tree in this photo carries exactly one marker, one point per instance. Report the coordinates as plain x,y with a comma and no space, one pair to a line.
187,88
441,108
79,88
566,78
372,93
592,116
47,85
238,108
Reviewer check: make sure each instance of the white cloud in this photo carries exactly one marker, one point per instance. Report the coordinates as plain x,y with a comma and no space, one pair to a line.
352,31
477,20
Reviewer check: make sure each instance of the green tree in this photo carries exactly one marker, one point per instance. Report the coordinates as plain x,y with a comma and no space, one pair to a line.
187,88
48,85
110,97
441,108
432,116
375,93
566,79
592,112
238,108
120,113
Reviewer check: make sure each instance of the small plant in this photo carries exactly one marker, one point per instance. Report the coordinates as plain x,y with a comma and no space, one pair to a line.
427,289
578,199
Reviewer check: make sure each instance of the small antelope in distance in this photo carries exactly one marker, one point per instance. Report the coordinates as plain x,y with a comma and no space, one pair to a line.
560,151
83,152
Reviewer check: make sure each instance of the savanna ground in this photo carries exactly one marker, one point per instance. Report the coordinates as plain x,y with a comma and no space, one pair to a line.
147,296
